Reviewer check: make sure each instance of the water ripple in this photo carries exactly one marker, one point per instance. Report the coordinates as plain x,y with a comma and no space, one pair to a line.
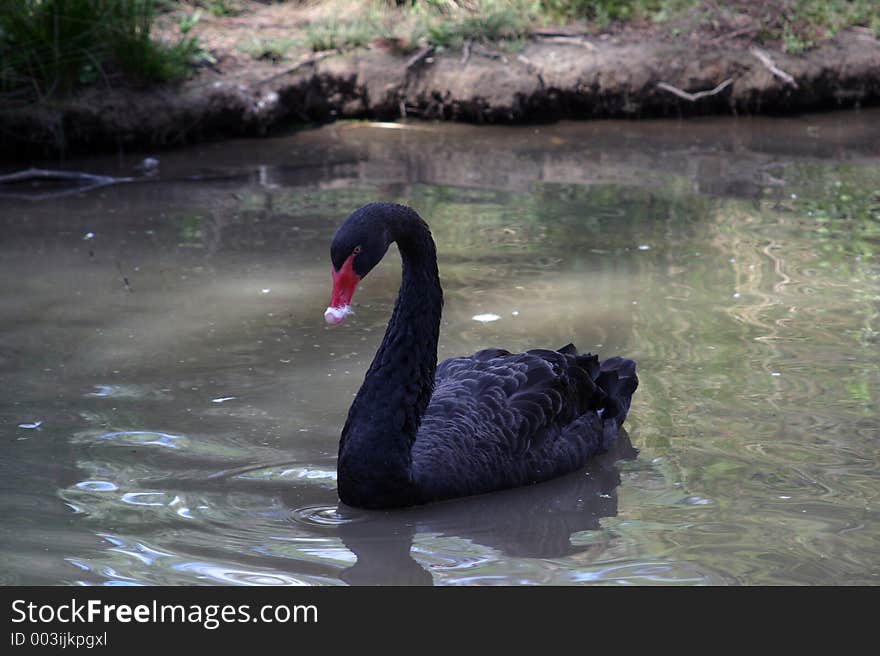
144,438
96,486
148,499
230,576
323,516
641,573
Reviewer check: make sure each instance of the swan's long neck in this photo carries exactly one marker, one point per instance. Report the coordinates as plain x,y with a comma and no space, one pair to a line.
375,461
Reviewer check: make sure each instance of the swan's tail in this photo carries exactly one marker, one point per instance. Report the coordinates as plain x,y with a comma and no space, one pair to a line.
617,378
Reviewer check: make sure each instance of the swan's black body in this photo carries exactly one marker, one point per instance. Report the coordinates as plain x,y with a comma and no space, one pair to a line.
418,432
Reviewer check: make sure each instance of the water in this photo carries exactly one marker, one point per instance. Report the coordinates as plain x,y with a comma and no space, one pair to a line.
173,399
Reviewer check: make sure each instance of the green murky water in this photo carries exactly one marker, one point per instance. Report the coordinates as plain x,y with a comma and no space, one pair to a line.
168,336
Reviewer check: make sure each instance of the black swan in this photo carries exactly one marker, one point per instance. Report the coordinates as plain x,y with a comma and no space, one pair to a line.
418,432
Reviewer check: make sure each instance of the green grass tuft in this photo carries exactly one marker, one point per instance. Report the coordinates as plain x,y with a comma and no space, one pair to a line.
334,34
51,47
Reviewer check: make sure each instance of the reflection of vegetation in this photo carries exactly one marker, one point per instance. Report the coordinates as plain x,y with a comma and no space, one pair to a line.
842,211
844,201
767,366
191,230
330,204
568,221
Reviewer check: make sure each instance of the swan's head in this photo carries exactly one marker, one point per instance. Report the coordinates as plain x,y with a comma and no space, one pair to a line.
358,246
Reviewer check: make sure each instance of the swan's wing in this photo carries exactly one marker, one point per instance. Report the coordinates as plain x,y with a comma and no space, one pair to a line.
512,403
499,420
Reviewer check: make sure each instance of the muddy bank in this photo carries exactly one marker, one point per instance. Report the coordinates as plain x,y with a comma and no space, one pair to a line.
550,79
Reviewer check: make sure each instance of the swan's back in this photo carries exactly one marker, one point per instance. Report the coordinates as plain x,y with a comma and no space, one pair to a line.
498,420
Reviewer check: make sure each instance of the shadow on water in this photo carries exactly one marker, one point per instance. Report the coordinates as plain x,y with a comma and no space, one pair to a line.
532,522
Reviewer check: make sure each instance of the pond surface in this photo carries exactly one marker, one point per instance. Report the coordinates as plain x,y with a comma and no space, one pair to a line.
173,398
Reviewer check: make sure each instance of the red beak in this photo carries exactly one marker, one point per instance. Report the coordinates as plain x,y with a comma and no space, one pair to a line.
344,283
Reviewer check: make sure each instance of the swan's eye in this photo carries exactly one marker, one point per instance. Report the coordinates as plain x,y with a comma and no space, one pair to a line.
357,249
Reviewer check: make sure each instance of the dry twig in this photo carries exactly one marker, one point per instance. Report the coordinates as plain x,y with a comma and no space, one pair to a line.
530,66
419,57
489,53
748,29
78,182
568,40
692,97
307,61
550,32
765,59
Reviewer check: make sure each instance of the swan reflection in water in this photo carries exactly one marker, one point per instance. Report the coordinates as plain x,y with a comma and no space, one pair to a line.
535,521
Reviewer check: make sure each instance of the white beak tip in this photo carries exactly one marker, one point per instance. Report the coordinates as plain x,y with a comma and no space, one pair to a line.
335,315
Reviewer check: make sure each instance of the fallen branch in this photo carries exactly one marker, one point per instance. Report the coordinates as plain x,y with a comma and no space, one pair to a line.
47,174
531,68
864,31
79,182
419,57
466,53
307,61
567,34
692,97
529,64
765,59
487,52
748,29
411,63
568,40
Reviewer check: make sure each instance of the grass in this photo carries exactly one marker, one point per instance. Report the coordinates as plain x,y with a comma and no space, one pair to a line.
797,25
270,49
444,23
604,12
337,34
809,22
221,8
51,47
793,25
486,20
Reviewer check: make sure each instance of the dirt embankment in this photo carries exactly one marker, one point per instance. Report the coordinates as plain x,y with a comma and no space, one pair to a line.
553,77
